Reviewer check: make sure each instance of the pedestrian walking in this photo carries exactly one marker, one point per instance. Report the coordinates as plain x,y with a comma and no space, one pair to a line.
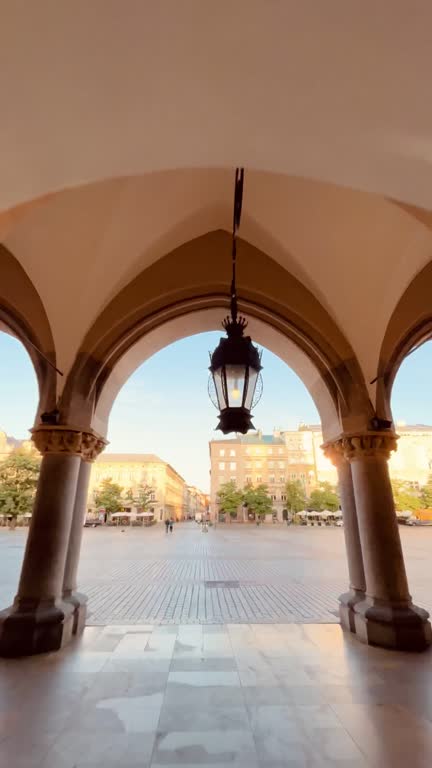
171,525
167,525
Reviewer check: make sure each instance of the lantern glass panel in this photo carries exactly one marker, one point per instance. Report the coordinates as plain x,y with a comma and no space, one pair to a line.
235,379
253,375
218,380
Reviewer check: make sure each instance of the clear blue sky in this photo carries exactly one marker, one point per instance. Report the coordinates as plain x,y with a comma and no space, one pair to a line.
164,407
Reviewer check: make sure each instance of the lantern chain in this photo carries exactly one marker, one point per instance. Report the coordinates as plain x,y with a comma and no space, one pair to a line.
238,200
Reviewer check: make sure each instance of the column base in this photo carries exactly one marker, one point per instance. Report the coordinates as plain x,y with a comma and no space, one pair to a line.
347,603
402,627
27,629
79,603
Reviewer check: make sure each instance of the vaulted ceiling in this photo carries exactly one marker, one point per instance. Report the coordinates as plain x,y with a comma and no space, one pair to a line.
122,123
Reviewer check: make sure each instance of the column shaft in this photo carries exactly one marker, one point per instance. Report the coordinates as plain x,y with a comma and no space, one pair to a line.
45,554
356,593
382,551
70,595
386,617
78,519
40,620
351,529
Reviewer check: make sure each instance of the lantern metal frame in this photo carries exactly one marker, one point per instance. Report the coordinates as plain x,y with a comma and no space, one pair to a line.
235,351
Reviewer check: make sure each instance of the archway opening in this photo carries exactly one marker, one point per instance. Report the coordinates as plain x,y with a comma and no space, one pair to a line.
161,432
411,465
19,399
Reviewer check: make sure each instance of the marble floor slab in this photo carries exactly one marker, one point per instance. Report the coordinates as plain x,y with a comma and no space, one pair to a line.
243,695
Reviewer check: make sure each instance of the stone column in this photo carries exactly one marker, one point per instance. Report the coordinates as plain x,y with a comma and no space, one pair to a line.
357,585
39,619
92,446
387,616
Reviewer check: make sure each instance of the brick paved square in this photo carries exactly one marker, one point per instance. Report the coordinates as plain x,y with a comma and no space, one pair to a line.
234,574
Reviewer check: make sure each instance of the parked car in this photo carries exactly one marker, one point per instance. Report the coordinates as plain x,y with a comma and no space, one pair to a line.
416,521
92,522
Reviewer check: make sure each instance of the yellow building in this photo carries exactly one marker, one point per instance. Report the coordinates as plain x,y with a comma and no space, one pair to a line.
297,455
9,444
130,470
197,503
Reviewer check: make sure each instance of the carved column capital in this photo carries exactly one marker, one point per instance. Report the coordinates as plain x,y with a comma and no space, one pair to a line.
334,451
92,446
68,440
360,446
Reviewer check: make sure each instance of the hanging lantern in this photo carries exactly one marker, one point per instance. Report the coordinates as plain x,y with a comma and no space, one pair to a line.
235,385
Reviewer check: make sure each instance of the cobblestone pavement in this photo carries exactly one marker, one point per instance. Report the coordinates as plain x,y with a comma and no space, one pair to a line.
233,574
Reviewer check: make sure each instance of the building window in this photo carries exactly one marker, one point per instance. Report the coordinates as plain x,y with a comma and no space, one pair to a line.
257,465
294,476
271,478
221,465
282,479
233,479
281,464
273,497
247,451
248,479
232,452
283,497
233,465
248,465
222,452
257,451
280,450
270,451
259,479
271,464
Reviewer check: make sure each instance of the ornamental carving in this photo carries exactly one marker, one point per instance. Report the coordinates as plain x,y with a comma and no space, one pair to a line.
354,447
59,439
334,452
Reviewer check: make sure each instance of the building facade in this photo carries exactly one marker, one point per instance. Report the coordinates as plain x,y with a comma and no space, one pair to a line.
197,503
132,470
9,444
297,455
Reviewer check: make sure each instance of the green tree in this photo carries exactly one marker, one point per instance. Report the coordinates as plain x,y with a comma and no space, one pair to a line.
142,497
18,480
258,500
109,495
404,497
229,498
426,494
324,497
296,499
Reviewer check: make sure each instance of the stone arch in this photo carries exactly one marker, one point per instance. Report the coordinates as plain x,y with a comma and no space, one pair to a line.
22,315
194,278
410,325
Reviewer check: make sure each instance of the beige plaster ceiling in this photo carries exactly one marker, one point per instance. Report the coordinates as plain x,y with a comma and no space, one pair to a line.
336,91
121,125
355,251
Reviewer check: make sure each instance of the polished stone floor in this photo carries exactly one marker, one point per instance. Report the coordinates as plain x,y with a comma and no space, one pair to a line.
269,574
245,695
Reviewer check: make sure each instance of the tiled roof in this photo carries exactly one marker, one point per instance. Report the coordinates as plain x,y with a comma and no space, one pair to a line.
414,428
259,439
138,458
254,439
